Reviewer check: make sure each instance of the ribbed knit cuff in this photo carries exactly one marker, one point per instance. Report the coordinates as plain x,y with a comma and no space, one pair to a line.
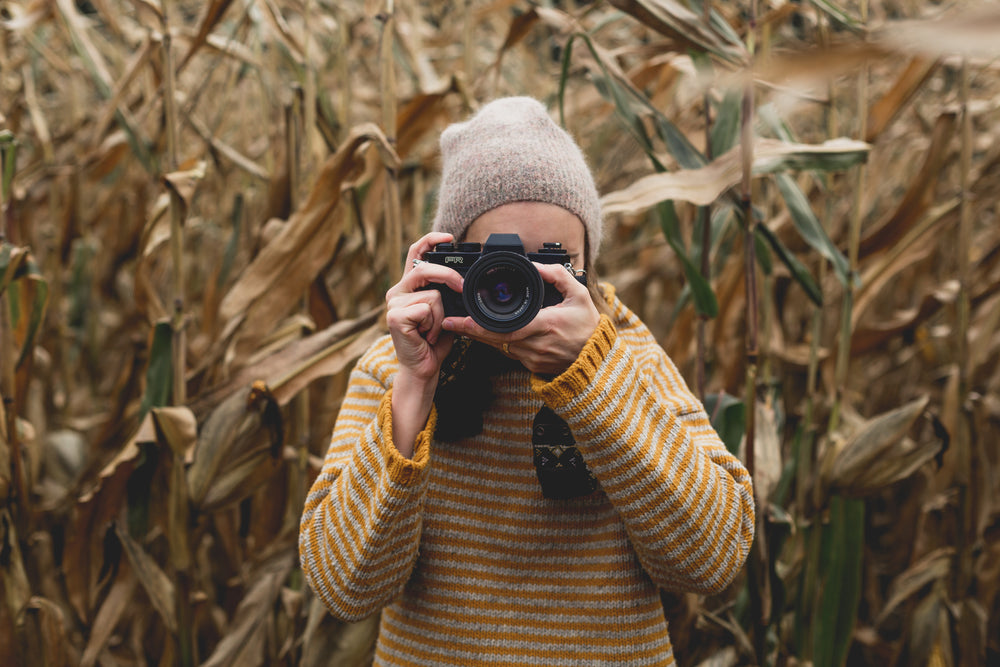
402,470
572,382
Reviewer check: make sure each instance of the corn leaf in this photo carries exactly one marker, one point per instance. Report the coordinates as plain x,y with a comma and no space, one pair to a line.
809,226
677,21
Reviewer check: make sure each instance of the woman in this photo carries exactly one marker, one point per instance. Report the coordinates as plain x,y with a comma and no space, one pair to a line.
520,498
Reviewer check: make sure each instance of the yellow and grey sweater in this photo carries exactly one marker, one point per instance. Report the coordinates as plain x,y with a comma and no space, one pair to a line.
470,562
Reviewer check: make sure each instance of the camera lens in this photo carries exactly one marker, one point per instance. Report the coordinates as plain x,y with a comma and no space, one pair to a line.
497,290
503,291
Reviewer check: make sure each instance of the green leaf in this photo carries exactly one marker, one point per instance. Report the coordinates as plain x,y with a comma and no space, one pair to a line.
676,20
728,415
843,545
612,87
630,105
810,228
8,154
726,127
704,298
35,291
139,488
234,241
799,271
28,295
839,16
678,145
159,374
762,253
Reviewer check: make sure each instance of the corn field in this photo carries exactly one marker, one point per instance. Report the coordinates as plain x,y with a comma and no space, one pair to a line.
203,204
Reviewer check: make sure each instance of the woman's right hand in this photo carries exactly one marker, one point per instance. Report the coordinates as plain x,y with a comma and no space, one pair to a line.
414,317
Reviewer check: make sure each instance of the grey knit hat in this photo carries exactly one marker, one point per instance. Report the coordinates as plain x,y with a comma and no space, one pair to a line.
512,151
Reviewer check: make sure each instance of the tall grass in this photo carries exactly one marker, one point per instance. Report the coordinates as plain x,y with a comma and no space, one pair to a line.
203,203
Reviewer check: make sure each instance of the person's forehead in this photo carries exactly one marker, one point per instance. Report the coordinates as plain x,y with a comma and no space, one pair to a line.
532,221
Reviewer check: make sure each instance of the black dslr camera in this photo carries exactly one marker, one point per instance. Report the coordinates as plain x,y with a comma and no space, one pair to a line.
503,290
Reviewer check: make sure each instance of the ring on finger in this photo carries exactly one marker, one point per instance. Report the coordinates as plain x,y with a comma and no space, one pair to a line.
417,262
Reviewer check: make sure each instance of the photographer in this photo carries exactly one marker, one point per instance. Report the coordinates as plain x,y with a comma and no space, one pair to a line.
519,497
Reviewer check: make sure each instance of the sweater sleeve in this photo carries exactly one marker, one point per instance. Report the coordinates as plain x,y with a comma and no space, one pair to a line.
360,528
686,502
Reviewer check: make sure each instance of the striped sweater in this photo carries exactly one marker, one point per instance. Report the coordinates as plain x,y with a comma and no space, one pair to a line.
470,562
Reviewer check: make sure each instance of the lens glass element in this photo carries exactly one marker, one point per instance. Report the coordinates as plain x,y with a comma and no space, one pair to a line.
502,291
505,290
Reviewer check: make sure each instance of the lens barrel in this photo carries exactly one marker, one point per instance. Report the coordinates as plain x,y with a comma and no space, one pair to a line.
503,291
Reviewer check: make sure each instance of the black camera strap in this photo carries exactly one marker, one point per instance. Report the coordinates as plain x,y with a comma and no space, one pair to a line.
560,467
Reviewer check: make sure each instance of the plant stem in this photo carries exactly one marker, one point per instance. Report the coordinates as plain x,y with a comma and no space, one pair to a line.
178,515
853,244
297,474
393,214
705,214
758,566
962,437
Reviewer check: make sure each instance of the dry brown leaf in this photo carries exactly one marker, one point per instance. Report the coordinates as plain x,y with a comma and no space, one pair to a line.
916,246
327,641
969,30
330,361
935,566
703,186
43,628
210,17
920,193
154,580
109,615
929,628
95,509
272,14
767,463
869,337
274,369
139,60
79,31
887,108
184,183
247,422
879,453
421,115
246,472
15,587
280,274
243,641
177,428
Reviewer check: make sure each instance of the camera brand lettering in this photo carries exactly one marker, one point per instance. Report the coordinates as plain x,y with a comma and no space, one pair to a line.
454,259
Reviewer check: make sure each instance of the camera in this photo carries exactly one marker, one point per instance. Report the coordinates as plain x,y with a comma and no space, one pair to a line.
503,290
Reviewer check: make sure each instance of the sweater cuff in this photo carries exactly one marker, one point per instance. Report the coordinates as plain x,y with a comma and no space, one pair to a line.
572,382
402,470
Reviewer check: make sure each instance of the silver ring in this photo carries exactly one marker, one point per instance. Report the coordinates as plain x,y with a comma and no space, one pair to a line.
418,262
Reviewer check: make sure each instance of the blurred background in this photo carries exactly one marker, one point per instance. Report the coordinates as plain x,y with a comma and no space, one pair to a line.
204,202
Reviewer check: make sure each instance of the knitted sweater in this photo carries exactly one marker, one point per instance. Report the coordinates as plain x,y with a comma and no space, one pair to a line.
474,566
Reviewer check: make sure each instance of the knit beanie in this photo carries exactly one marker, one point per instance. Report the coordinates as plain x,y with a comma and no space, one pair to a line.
512,151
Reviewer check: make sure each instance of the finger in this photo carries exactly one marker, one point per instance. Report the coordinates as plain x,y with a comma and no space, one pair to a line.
423,275
563,280
402,307
404,300
466,326
423,245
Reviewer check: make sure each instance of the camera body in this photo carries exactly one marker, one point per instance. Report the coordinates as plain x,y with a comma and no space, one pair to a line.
503,289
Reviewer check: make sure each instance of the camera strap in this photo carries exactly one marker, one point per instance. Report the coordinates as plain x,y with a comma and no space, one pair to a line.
560,467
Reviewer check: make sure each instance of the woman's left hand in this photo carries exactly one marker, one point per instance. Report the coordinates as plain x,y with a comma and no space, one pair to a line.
551,342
